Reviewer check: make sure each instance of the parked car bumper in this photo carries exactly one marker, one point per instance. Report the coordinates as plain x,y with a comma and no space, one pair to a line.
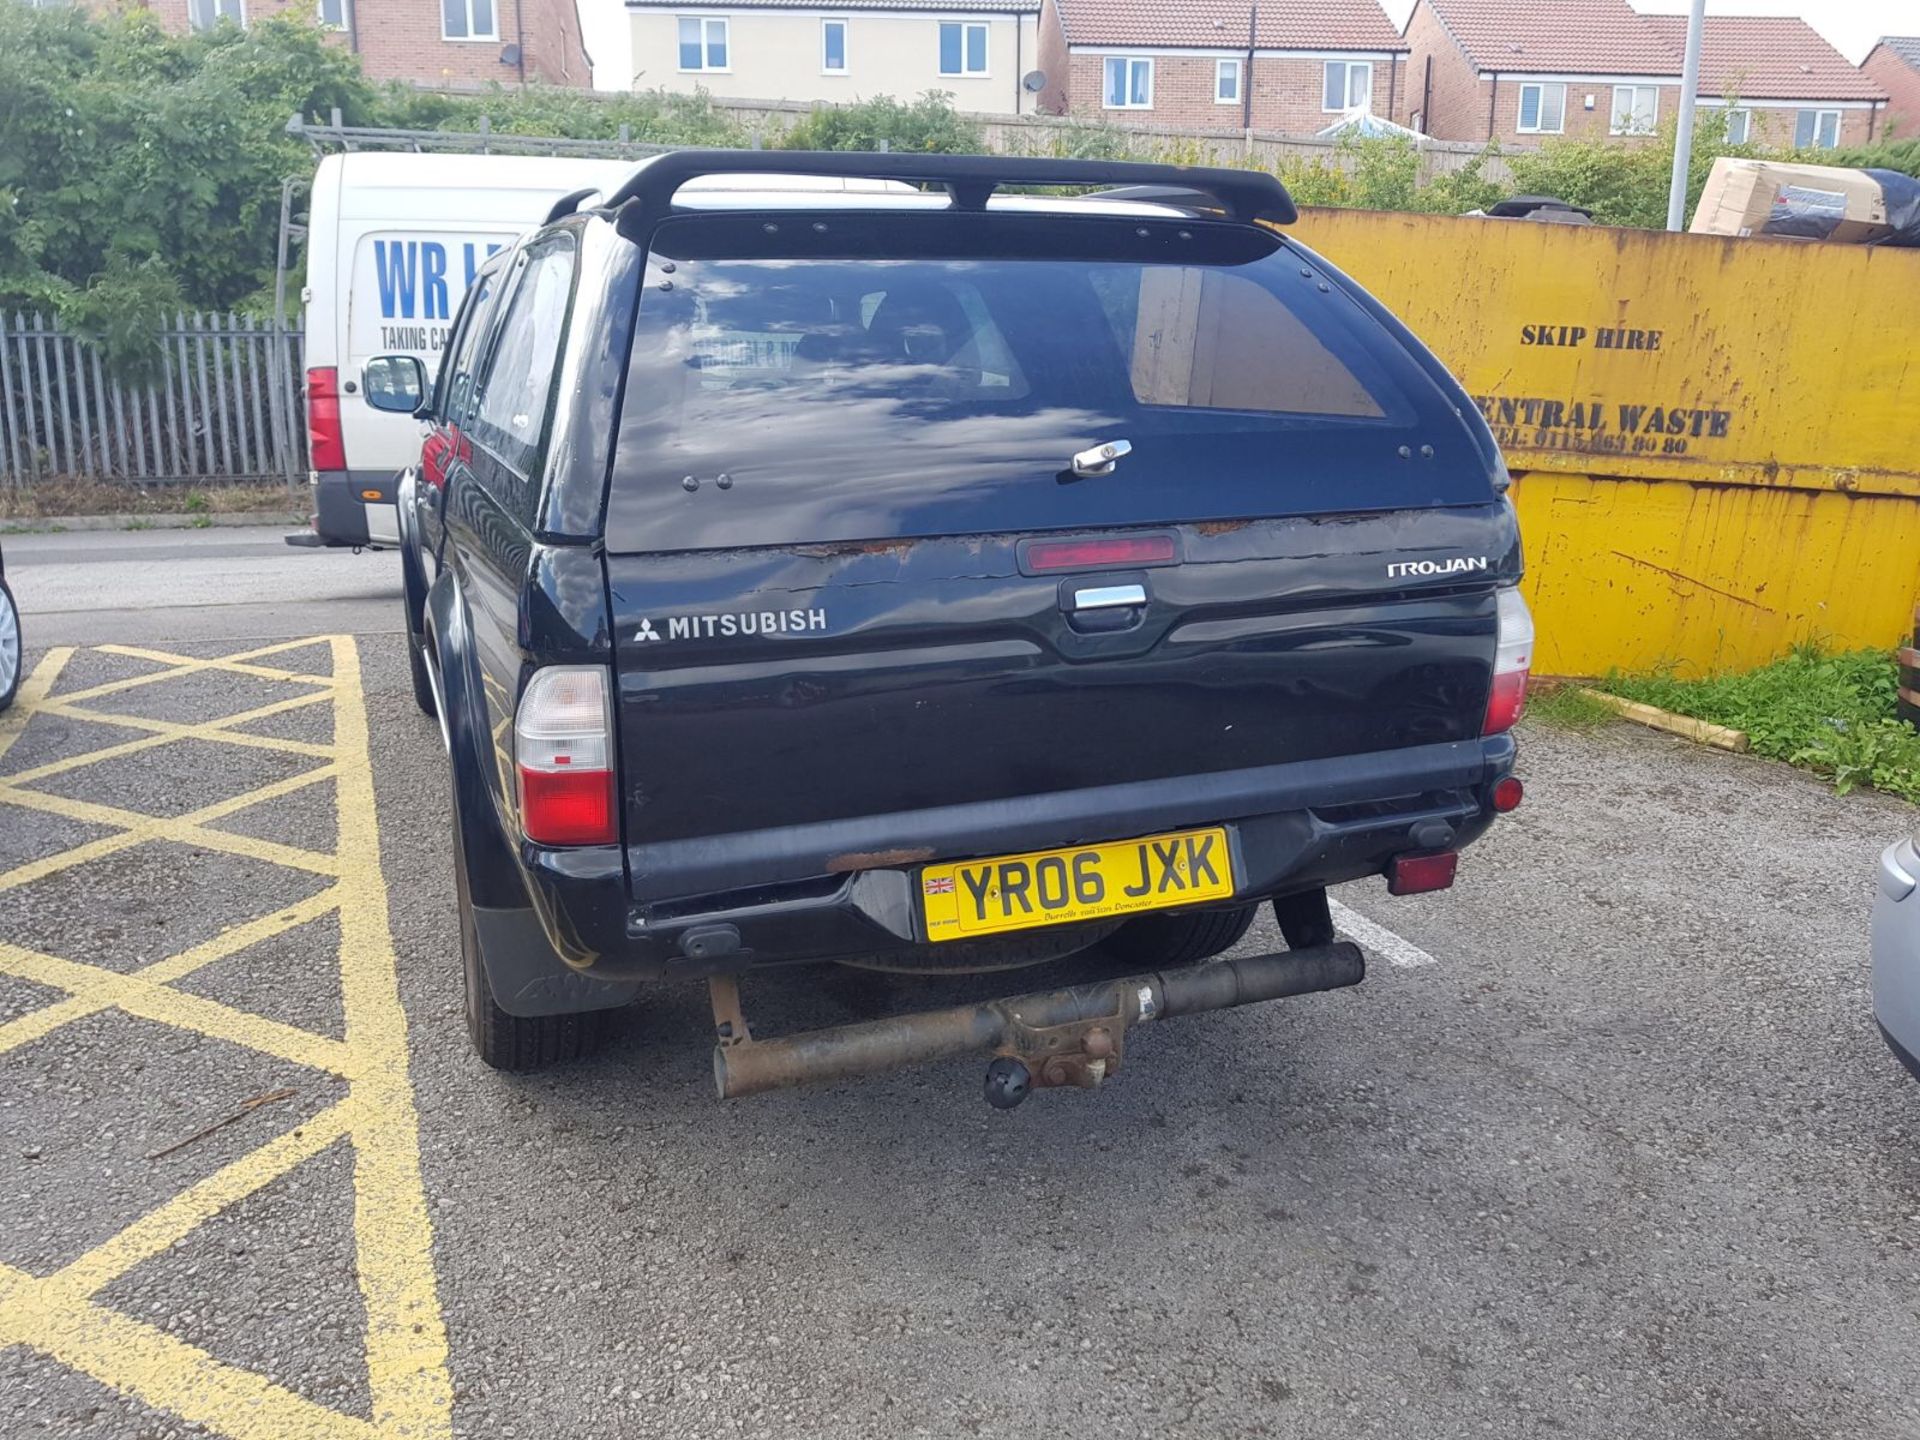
353,508
1294,827
1896,952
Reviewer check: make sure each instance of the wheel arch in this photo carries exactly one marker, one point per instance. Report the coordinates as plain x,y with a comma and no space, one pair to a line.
523,969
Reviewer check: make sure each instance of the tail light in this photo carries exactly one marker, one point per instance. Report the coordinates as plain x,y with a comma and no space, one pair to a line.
563,756
1512,659
325,445
1107,554
1420,874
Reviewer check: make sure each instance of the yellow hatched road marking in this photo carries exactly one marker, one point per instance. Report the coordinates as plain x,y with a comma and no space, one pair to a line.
187,829
406,1338
137,995
170,1374
174,1221
235,938
60,1314
179,665
163,732
32,695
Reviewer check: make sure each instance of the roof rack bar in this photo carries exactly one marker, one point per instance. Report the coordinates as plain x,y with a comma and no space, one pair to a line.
327,137
1246,195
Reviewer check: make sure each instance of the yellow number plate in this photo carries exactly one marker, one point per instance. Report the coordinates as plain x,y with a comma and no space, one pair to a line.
1093,882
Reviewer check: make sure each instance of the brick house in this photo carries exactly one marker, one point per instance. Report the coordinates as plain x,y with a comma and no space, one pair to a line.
1520,71
446,44
1894,65
1288,65
1794,88
977,51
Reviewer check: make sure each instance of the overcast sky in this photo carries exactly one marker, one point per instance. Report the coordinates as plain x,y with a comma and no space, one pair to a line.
1851,26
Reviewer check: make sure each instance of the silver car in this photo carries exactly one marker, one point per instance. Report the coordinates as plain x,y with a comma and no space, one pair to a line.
11,653
1896,952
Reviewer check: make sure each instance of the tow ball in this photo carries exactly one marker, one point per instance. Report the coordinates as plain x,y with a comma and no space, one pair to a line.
1073,1037
1080,1053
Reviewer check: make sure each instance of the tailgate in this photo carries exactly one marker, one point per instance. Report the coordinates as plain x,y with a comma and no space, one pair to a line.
787,688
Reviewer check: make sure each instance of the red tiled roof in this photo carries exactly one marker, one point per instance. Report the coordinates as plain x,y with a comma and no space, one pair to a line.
1222,24
1558,37
1764,57
1769,57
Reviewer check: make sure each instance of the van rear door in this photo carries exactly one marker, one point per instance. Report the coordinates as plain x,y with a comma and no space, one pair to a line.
863,588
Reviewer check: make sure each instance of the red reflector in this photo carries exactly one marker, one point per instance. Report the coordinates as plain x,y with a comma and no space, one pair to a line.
1507,795
1417,874
568,807
326,448
1096,554
1506,702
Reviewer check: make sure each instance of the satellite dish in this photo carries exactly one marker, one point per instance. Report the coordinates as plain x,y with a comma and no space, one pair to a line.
1034,81
509,54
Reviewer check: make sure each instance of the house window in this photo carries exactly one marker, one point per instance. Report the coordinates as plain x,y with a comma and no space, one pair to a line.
833,47
1816,130
963,48
333,14
703,43
1348,85
1635,109
1226,82
468,20
1543,109
1739,126
205,14
1129,83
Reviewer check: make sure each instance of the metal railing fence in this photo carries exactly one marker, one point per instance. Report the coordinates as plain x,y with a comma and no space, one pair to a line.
225,405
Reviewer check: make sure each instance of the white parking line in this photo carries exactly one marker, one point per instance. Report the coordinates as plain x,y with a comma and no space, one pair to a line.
1377,938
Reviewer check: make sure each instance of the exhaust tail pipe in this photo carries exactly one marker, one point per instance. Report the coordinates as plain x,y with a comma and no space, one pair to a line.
1056,1037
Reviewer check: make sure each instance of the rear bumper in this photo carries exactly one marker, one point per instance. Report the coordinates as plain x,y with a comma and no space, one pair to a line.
840,889
345,515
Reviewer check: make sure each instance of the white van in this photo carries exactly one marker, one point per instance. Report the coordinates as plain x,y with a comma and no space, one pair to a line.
393,240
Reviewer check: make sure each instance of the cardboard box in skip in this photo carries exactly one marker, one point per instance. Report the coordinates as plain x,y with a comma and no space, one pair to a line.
1803,202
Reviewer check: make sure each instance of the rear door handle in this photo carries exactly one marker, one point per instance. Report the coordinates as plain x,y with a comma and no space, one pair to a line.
1106,597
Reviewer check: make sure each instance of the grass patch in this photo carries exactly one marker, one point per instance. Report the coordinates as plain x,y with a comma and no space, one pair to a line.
1566,707
1832,714
45,498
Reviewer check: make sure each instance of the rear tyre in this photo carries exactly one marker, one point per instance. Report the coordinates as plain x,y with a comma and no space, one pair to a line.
1157,941
415,630
417,667
519,1043
1305,919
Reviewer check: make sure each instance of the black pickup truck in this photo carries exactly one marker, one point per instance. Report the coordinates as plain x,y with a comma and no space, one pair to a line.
847,558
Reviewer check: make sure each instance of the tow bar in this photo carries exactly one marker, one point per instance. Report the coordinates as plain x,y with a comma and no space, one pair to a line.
1057,1037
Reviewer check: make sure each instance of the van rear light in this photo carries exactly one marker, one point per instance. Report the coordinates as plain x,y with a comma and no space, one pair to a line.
1112,553
326,447
1507,795
563,757
1512,660
1417,874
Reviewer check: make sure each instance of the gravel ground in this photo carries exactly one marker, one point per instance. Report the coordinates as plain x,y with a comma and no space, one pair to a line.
1628,1160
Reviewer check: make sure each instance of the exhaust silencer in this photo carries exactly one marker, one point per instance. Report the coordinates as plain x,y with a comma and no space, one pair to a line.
1071,1036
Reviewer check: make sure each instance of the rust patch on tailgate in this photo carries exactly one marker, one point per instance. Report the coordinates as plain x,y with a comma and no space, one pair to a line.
877,859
